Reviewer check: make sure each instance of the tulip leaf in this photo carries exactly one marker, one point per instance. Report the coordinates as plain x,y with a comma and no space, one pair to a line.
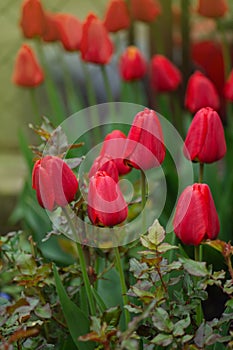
76,320
195,268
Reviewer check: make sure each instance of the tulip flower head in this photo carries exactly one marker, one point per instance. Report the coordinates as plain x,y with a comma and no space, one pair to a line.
32,18
200,93
132,64
165,76
104,163
50,33
145,10
205,141
54,182
145,147
96,46
196,217
106,204
114,145
117,16
228,88
69,31
27,72
212,8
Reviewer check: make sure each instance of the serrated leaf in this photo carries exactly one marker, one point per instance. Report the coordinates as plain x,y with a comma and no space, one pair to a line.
180,326
138,269
164,247
133,309
156,233
144,295
229,303
195,268
216,244
43,311
76,320
112,316
162,339
162,321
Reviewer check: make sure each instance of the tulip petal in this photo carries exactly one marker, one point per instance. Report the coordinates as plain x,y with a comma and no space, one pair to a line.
213,220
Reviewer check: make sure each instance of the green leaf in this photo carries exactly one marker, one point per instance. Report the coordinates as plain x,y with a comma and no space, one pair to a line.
112,316
139,269
162,321
195,268
156,233
164,247
179,327
99,300
76,320
162,339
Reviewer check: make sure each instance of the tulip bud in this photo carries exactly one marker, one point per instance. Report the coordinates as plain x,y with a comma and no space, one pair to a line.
212,8
205,141
132,64
50,33
104,163
106,204
54,182
145,146
95,46
200,93
32,18
114,145
27,72
116,16
165,76
145,10
69,31
228,89
196,218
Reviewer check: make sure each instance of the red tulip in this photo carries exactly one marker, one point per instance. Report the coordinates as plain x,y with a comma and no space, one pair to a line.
205,141
27,72
69,30
95,46
114,145
132,64
116,16
200,93
104,163
212,8
106,204
196,218
228,89
165,76
32,18
202,54
145,10
54,182
145,146
50,33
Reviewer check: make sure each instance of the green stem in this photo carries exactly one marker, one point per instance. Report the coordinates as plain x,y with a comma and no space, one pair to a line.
144,197
82,265
107,85
225,49
201,172
185,32
34,103
123,285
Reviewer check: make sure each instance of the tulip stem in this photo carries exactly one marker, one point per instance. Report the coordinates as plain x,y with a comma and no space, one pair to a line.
201,172
82,262
34,103
107,85
123,285
144,197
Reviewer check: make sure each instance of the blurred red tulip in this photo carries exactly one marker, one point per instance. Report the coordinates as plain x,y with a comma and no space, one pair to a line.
212,8
202,54
54,182
106,204
117,16
114,145
32,18
165,76
145,10
69,31
50,33
145,146
196,217
205,141
104,163
132,64
95,46
228,89
200,93
27,72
